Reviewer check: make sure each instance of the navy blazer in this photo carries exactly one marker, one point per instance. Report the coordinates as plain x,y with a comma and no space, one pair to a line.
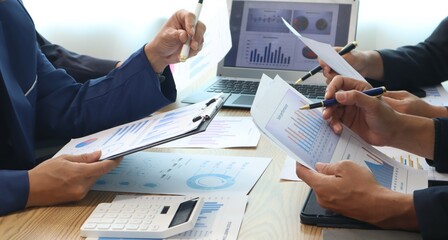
424,64
36,98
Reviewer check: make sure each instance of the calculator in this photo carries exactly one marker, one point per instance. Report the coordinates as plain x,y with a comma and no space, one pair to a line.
148,216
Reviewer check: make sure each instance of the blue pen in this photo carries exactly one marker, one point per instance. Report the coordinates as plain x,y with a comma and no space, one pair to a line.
376,92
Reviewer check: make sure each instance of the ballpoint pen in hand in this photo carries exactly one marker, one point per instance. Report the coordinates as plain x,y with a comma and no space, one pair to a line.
186,47
375,92
315,70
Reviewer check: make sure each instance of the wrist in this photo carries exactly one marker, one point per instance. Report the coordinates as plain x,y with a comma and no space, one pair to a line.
414,134
395,210
156,61
373,65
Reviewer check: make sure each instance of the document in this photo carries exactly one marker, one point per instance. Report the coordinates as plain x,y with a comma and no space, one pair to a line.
306,137
175,173
222,132
327,53
147,132
220,218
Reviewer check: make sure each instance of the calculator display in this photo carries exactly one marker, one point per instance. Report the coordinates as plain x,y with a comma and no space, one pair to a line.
183,213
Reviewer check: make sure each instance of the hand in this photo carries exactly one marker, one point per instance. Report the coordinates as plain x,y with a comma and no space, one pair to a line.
66,178
405,102
368,116
375,121
351,190
166,46
368,63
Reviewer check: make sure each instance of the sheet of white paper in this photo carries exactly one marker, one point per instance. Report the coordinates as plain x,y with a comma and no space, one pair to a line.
222,132
217,43
175,173
305,136
220,218
289,170
436,95
327,53
414,161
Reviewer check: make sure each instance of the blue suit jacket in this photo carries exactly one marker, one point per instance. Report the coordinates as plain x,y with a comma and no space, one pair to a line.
34,96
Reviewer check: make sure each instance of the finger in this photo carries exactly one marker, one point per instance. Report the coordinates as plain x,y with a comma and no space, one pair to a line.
187,21
325,168
306,174
396,94
357,98
84,158
100,168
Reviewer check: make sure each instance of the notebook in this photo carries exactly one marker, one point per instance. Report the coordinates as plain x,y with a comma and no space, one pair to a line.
261,43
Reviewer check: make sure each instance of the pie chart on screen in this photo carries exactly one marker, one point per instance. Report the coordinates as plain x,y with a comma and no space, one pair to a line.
86,142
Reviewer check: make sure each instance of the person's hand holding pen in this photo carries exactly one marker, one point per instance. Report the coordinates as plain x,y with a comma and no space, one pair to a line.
370,117
342,51
185,52
165,48
368,63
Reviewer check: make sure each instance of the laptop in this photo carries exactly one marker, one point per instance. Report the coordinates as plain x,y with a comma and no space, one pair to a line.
261,43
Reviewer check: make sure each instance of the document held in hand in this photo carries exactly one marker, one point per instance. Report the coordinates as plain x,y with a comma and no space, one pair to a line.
307,138
147,132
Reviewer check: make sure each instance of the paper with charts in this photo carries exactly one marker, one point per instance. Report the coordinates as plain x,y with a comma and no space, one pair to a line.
220,218
176,173
305,136
146,132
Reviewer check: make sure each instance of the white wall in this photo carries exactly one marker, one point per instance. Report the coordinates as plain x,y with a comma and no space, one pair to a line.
114,29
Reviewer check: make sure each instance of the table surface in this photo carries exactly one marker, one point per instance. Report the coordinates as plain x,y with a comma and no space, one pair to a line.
272,211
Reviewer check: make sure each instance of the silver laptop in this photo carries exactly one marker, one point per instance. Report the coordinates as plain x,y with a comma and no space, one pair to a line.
261,43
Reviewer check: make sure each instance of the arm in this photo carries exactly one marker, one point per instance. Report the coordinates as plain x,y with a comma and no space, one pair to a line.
421,65
14,187
431,205
80,67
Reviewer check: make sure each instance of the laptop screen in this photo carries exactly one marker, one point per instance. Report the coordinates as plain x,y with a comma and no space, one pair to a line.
261,43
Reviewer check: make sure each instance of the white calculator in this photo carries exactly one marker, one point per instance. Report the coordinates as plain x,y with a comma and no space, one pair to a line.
149,216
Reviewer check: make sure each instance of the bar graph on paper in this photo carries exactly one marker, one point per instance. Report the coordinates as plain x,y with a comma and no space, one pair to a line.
384,172
305,132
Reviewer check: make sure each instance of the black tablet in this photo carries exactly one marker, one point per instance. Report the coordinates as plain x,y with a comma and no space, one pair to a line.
313,214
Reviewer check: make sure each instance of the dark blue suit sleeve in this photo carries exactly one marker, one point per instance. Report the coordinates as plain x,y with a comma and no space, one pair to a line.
14,189
431,206
421,65
81,67
440,161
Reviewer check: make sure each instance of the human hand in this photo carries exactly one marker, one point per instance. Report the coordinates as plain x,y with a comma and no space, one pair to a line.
368,116
66,178
405,102
349,189
368,63
167,45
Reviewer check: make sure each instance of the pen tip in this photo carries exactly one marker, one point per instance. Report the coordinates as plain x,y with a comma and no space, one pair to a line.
298,81
304,107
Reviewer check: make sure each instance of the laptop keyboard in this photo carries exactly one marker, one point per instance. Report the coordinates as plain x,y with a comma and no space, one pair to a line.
250,88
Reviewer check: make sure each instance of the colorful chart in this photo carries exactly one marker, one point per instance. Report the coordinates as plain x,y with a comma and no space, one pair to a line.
85,143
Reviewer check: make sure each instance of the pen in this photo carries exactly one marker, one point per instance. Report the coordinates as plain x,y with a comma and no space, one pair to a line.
343,51
186,47
376,92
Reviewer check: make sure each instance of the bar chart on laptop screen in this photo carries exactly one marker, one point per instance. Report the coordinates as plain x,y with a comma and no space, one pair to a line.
304,133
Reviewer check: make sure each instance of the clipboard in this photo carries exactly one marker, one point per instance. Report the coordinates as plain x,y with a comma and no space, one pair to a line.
313,214
147,132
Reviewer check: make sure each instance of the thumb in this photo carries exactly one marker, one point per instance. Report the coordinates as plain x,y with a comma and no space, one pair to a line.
357,98
325,168
84,158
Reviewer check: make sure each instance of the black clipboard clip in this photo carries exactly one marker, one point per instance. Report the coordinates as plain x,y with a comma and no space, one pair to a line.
210,108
